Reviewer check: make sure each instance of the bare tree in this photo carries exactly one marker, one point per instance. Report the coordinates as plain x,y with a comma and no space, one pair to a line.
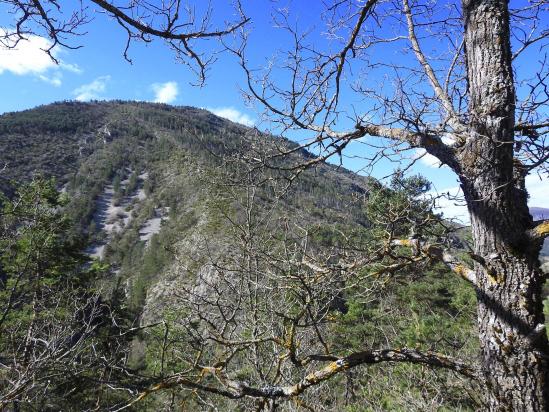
477,102
257,322
179,24
473,105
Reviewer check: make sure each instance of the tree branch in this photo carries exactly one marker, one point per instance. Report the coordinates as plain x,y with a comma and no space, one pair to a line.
540,230
168,33
436,252
236,389
439,92
368,7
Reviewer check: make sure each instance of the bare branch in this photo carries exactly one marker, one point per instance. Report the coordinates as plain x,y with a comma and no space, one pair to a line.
236,389
440,93
440,254
167,33
540,230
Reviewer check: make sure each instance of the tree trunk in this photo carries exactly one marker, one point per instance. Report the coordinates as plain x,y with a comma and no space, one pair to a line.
514,348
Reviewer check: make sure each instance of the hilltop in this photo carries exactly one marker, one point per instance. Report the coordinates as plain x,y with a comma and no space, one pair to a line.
134,169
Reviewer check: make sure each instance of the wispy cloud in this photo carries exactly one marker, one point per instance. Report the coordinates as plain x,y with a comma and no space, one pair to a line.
92,90
28,58
165,92
232,114
54,80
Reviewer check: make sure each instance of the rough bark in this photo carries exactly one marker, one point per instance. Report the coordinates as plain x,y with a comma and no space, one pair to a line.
514,349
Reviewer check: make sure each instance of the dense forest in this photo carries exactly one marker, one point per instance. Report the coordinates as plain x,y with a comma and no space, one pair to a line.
147,262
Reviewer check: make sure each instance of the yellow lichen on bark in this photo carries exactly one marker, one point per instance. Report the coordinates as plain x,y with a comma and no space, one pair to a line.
542,230
312,378
209,370
332,367
460,270
404,242
329,370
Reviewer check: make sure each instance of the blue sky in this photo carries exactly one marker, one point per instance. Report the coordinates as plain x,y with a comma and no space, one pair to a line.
98,71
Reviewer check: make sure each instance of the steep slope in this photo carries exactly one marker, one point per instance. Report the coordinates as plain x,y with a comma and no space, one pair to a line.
132,170
165,195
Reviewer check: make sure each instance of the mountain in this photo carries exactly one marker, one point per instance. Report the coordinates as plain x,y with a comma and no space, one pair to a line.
539,213
218,260
141,178
141,182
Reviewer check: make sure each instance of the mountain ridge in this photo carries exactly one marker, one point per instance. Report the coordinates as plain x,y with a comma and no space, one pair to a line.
168,203
135,169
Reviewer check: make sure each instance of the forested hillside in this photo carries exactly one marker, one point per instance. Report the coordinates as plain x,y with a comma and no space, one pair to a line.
191,266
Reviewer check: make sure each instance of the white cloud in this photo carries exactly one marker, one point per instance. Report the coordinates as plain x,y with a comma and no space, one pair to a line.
165,92
451,204
232,114
427,159
70,67
92,90
538,189
28,58
54,80
448,139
